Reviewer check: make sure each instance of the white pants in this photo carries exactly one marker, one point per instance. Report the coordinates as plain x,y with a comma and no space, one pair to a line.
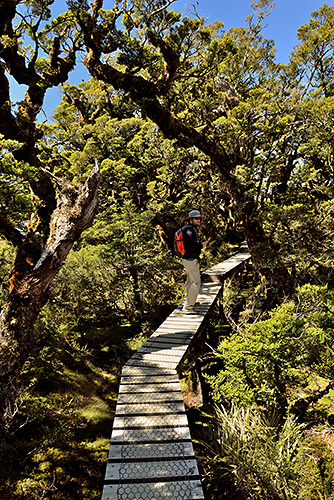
193,281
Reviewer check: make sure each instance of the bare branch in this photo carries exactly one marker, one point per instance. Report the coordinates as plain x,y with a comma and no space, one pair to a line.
162,8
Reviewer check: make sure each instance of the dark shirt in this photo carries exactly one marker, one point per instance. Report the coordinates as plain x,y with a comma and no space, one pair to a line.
191,242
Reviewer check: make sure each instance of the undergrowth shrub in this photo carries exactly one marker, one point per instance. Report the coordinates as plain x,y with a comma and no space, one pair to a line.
258,459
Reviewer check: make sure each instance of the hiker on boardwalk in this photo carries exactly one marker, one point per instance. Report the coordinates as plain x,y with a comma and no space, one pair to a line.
190,261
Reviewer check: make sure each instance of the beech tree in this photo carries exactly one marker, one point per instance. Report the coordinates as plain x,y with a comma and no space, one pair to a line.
53,212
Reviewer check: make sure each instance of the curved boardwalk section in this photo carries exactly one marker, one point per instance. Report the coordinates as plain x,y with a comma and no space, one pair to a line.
151,455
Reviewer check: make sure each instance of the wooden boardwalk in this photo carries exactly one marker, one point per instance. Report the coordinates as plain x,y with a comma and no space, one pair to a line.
151,455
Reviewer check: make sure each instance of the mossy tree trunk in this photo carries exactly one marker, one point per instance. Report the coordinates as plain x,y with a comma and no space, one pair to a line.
74,213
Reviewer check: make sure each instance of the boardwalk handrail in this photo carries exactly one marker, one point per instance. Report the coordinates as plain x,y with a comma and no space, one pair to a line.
151,455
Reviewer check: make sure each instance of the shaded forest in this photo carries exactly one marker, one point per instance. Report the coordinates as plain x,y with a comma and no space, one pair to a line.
177,114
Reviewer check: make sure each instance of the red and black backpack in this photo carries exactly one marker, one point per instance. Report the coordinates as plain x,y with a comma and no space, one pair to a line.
179,249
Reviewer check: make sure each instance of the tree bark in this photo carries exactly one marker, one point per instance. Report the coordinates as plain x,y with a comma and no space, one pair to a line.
74,213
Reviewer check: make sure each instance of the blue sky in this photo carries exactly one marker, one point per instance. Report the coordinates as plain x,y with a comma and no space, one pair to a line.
283,23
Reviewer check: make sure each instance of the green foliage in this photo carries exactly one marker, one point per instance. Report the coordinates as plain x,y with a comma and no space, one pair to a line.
15,199
58,433
259,461
6,262
268,363
314,55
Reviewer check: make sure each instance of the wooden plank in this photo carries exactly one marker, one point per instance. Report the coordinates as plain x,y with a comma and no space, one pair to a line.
163,351
182,320
145,470
138,388
173,490
152,344
132,371
139,421
150,379
152,364
209,289
185,328
165,343
156,356
220,271
177,331
152,451
149,396
149,408
178,336
150,435
160,343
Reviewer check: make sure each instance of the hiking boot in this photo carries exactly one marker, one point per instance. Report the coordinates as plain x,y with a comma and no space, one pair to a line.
190,310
